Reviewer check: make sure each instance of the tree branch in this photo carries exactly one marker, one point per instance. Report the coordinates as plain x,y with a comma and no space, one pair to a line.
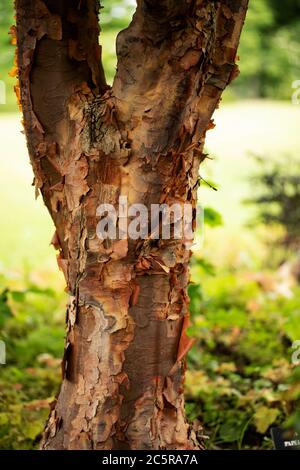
57,51
60,71
172,55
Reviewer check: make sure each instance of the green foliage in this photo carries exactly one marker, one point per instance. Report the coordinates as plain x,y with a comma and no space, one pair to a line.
240,379
269,50
212,218
31,322
5,311
286,12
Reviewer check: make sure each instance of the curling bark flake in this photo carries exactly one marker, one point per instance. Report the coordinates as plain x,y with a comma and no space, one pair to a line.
143,138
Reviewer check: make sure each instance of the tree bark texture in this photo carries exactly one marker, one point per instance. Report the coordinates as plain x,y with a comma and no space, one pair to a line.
143,138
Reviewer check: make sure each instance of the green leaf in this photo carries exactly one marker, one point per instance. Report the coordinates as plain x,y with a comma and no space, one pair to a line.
3,419
212,218
18,296
264,417
5,311
230,431
33,429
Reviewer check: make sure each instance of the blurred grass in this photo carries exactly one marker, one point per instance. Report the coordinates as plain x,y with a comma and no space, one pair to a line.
26,227
263,127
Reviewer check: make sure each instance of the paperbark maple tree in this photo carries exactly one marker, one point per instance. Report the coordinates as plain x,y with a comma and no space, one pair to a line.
89,143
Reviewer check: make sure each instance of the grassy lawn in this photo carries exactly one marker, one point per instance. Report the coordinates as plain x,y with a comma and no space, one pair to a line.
26,227
266,128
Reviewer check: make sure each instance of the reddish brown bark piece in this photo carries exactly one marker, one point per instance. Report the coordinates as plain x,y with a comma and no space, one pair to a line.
143,138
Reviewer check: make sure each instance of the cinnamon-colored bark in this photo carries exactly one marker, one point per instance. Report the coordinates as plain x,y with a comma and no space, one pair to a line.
143,138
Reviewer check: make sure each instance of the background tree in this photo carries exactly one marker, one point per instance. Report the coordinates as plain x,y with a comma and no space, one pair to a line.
278,198
142,138
272,31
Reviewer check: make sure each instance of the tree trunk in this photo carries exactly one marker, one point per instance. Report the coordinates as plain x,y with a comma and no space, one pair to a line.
123,367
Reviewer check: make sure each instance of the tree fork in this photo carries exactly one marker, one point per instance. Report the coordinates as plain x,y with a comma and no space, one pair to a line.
142,138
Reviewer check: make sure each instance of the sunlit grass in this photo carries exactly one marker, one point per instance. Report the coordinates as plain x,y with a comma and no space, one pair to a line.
266,128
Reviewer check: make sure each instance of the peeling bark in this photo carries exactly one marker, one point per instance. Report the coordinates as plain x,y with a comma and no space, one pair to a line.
123,366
